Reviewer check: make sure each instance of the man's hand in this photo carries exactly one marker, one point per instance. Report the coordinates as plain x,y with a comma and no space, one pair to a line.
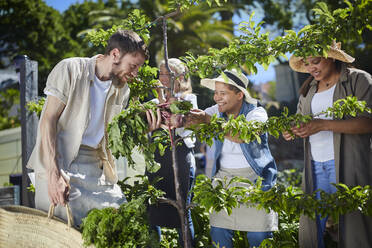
58,188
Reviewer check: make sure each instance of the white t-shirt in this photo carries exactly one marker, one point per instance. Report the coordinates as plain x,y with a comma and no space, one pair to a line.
232,156
95,130
321,143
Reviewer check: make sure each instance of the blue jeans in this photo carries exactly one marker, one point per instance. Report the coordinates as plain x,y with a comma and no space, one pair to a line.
324,175
222,237
190,225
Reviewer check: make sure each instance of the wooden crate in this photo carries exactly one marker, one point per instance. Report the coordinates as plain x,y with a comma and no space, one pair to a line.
10,195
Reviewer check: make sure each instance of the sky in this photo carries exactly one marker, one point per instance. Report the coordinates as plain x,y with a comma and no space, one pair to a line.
262,76
61,5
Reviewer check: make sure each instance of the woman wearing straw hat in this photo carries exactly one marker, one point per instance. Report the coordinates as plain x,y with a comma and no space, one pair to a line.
235,158
336,151
162,214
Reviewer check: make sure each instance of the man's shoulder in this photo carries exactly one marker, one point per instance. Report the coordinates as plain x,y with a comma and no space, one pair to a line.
75,61
74,64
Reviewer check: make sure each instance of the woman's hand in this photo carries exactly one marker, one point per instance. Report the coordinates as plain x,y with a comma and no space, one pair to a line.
154,120
310,128
287,136
195,117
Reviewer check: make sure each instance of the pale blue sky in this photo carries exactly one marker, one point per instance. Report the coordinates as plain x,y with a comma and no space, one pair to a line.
262,76
61,5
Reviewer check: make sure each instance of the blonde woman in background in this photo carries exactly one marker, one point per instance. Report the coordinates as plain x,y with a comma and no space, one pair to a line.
165,215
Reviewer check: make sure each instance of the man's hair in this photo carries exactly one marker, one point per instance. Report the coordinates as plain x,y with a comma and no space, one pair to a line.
127,41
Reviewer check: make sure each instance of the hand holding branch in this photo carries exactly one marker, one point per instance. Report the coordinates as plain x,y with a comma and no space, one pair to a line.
195,117
306,129
154,120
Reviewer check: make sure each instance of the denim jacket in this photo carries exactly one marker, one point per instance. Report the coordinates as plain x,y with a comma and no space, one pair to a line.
258,155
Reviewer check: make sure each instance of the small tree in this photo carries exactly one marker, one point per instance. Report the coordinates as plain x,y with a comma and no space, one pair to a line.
129,129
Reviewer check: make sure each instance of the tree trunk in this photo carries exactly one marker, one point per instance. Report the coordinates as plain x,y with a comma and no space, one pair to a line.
180,203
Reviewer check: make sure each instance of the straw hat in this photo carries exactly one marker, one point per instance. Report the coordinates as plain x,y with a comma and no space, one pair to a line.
234,78
335,52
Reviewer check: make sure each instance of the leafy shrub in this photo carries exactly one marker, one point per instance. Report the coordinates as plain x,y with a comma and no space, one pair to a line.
8,99
127,226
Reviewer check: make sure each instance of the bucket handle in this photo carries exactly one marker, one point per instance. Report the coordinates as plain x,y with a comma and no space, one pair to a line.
70,220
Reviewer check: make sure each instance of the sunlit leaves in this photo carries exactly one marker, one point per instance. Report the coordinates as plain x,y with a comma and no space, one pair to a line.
255,47
128,130
126,226
8,99
249,131
145,83
183,5
135,21
224,194
181,107
347,106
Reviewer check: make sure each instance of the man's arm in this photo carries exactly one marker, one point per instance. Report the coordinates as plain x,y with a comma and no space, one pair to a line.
58,188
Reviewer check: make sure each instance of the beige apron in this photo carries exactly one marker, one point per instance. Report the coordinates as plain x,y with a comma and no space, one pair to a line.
243,218
87,191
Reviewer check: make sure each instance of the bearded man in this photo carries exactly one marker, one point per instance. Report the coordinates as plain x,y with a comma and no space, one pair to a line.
71,159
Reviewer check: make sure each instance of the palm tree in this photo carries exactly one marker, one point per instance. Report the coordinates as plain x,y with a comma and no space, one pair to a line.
196,30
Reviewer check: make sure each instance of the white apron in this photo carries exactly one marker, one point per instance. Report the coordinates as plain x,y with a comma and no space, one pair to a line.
86,190
243,218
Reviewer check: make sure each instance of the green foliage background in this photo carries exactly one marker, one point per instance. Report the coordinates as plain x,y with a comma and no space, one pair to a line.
9,99
48,36
51,36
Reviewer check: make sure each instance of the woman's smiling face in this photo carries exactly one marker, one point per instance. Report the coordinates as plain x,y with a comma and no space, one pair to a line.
228,101
320,68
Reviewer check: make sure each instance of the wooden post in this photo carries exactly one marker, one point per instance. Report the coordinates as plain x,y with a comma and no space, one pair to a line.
28,86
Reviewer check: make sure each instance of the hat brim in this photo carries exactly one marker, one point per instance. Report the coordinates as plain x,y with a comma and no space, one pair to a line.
210,84
297,63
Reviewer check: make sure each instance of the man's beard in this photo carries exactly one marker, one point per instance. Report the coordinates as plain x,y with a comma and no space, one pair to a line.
118,81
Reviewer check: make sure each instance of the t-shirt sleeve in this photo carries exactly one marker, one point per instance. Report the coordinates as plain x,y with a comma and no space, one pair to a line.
211,110
257,114
59,81
191,98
